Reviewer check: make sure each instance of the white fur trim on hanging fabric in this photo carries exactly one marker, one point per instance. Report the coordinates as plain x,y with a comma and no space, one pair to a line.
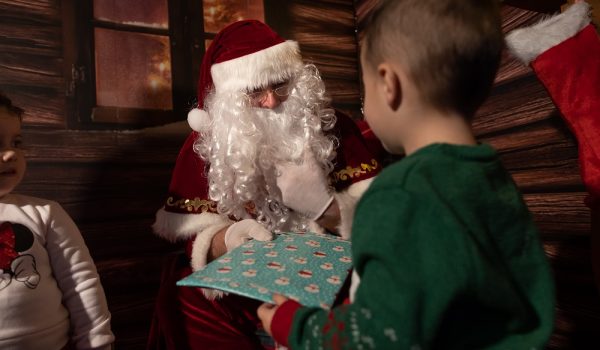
529,42
347,201
198,119
273,64
176,227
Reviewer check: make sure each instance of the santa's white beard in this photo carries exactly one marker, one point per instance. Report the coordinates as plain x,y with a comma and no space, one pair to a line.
243,144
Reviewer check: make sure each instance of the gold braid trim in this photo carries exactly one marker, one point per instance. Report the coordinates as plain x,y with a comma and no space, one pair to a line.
193,205
350,172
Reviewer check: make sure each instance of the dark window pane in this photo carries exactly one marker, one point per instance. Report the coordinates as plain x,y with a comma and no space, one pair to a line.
220,13
132,70
147,13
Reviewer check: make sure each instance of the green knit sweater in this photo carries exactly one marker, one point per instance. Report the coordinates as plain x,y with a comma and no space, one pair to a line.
448,258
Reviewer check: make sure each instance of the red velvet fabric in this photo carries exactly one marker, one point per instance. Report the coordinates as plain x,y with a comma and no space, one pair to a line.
357,158
188,190
185,319
371,140
571,73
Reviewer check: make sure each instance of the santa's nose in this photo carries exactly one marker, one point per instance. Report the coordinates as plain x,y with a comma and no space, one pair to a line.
8,156
271,101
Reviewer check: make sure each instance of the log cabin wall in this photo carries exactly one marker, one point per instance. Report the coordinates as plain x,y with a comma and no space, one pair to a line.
326,32
112,182
521,122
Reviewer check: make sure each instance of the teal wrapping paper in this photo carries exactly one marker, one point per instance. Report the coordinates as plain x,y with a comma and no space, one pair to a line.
308,268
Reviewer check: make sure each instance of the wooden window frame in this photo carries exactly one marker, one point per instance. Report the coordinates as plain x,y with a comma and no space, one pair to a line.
186,36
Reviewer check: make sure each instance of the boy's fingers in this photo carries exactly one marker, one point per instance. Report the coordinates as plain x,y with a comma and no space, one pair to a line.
264,310
279,299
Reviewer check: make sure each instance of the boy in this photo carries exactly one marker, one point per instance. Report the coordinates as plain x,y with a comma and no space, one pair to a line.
445,251
50,292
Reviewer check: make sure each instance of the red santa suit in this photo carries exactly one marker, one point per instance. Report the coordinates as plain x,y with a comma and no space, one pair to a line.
243,56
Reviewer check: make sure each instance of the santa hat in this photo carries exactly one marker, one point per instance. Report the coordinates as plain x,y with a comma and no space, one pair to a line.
244,56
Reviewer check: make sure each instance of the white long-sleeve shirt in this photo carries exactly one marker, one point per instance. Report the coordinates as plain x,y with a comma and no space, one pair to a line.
50,291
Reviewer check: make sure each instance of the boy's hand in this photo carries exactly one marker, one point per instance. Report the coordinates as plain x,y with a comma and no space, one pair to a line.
266,311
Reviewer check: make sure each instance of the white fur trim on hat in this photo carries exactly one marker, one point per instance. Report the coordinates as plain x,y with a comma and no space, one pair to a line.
198,119
347,201
274,64
528,43
177,227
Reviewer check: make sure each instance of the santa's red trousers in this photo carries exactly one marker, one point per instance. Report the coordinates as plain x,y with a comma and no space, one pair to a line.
570,71
185,319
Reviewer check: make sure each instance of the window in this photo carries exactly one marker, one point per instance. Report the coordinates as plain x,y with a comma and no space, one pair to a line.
135,63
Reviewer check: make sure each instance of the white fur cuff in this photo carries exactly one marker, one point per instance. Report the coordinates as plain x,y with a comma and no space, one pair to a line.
200,250
202,245
347,201
528,43
176,227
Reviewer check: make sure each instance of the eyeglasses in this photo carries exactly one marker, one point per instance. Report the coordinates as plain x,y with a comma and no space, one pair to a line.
260,95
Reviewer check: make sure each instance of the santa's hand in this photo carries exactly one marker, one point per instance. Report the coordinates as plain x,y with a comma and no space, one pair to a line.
304,187
24,269
242,231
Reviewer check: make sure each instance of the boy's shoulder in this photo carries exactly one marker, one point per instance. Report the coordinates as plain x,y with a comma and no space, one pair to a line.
437,163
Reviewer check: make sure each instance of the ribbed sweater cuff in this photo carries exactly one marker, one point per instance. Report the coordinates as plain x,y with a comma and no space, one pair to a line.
282,321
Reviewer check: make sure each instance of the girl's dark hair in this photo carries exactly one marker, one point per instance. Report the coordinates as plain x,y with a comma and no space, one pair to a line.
7,103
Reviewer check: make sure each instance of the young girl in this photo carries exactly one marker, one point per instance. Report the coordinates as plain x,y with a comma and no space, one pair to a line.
50,292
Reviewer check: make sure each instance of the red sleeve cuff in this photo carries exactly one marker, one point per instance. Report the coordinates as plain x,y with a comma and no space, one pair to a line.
282,321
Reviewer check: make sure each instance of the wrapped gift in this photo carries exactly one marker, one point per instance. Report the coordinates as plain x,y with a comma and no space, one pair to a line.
308,268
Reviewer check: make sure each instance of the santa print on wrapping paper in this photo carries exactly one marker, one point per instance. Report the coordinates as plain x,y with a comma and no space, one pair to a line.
14,240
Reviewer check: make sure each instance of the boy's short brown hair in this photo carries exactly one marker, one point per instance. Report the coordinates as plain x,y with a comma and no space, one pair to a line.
451,48
7,103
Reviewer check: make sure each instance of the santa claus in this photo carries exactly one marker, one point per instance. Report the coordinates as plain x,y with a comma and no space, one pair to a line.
267,154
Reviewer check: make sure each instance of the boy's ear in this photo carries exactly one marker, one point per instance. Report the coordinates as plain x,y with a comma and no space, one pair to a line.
392,88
